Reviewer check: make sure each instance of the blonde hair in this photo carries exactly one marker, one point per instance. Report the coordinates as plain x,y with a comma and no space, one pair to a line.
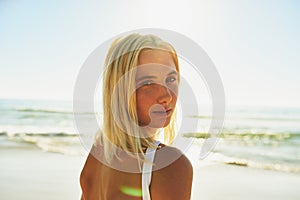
120,119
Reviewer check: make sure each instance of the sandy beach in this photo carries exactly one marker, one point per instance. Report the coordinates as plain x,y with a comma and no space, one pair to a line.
236,182
26,172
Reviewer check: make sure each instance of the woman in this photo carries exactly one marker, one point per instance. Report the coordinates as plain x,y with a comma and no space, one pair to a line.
139,97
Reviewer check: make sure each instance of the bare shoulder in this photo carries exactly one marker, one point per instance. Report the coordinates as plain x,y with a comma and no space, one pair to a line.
173,175
90,166
89,176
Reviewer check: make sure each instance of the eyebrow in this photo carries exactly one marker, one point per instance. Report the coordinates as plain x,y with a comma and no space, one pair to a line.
145,77
153,77
173,72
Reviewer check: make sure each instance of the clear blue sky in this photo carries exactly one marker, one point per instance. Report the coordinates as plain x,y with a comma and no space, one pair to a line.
254,44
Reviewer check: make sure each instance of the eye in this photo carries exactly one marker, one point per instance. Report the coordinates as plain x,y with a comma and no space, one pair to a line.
171,79
146,83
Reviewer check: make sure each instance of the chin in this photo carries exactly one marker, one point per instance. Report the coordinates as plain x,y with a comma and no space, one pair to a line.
159,124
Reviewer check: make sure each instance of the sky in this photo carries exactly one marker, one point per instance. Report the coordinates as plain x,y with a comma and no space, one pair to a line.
254,44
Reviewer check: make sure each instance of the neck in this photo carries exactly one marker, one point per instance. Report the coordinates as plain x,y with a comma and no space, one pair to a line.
149,131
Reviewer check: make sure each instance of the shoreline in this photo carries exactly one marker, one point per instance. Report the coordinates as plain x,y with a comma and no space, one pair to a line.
27,172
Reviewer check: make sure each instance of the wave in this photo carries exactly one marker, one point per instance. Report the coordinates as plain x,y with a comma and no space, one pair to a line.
261,118
43,111
251,163
32,110
63,143
11,130
265,166
247,135
69,144
51,134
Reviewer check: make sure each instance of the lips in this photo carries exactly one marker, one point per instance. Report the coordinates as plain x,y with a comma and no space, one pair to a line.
163,112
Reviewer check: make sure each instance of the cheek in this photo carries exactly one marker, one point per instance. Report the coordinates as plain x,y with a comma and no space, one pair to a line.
142,102
146,95
174,92
174,100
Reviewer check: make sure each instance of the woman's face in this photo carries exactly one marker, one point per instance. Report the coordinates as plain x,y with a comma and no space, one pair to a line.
157,88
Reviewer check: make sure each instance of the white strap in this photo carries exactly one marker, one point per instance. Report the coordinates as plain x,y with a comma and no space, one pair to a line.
147,171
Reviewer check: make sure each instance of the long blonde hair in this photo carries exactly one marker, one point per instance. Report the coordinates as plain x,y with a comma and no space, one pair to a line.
120,119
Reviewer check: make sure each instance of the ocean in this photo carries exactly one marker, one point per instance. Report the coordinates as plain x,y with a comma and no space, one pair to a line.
253,136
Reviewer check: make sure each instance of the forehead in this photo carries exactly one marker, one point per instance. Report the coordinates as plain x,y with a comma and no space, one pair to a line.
158,56
155,61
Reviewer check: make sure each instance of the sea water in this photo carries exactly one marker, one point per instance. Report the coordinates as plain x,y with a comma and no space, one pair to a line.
253,136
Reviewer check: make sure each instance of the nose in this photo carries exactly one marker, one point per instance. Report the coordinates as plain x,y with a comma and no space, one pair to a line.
165,95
